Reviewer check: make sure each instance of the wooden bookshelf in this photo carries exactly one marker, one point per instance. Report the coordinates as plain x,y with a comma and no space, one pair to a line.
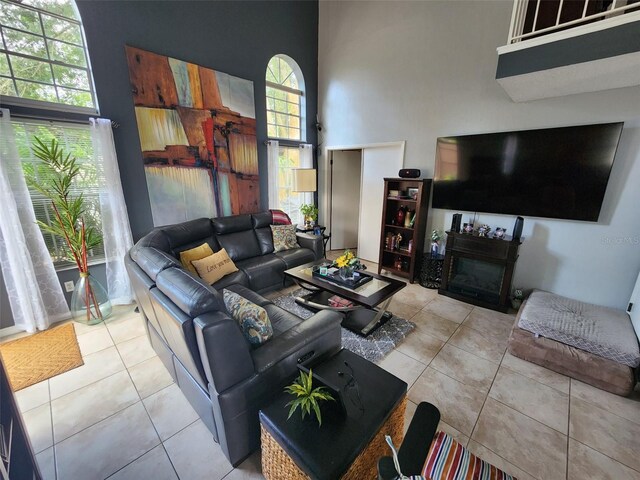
410,260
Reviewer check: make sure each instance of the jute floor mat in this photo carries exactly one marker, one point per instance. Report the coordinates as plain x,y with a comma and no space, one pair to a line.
35,358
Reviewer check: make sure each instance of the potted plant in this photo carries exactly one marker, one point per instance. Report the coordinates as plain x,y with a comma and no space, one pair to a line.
310,213
54,178
435,242
308,399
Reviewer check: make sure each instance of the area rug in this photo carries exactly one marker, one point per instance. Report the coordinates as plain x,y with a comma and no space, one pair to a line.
35,358
374,347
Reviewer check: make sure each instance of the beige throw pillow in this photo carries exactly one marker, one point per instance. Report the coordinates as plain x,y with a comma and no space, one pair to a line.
196,253
214,267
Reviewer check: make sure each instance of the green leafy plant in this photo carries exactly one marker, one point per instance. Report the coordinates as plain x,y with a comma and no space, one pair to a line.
436,236
53,178
310,211
308,398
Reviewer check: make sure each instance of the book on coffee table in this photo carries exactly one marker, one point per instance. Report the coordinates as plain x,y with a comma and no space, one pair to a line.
339,302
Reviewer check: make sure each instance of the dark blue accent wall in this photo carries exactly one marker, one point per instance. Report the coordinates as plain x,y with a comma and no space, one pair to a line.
606,43
237,38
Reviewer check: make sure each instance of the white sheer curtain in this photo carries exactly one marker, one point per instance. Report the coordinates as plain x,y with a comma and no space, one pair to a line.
116,231
273,152
34,291
306,161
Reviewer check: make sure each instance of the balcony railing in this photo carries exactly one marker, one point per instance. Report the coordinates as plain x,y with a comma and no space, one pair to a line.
535,18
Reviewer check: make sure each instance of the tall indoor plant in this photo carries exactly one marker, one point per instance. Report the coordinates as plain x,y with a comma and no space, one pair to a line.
54,178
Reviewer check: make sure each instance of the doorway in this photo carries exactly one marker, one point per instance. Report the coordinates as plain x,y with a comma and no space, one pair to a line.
345,175
353,212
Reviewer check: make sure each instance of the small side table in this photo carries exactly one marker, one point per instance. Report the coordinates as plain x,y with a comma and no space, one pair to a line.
325,237
431,271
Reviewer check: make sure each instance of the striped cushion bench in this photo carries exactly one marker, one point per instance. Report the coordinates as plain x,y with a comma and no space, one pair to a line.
448,460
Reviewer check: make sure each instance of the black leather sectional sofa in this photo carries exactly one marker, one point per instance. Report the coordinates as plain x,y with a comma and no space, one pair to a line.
224,378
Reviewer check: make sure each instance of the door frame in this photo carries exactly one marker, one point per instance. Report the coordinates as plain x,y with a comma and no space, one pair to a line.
324,207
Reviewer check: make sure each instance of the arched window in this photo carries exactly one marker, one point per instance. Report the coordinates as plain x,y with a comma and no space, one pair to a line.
285,99
43,56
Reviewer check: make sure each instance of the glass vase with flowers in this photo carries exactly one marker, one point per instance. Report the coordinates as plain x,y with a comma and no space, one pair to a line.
347,264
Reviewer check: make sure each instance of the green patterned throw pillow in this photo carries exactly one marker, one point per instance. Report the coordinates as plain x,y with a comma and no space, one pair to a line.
284,237
253,319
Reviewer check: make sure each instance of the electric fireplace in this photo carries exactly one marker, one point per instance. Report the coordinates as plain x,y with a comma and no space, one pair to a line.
478,270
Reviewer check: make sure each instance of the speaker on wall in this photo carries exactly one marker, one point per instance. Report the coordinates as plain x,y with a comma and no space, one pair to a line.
409,173
456,223
517,228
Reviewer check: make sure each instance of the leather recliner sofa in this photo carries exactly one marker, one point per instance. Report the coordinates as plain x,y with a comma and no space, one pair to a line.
224,378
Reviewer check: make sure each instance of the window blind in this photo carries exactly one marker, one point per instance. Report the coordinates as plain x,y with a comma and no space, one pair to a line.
74,139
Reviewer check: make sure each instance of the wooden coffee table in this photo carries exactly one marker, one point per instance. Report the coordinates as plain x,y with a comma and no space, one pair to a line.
370,300
346,446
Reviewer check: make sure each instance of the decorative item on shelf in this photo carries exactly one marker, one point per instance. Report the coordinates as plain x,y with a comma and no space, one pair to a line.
410,249
409,218
400,216
398,263
308,399
435,242
394,193
518,297
398,241
468,228
54,178
483,230
348,263
413,193
500,233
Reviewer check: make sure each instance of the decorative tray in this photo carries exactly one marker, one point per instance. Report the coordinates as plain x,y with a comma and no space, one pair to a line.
334,277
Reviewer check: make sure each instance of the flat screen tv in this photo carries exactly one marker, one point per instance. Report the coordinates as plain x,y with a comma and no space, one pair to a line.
552,172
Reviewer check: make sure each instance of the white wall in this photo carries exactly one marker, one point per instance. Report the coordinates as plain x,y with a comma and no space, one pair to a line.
377,163
415,71
345,198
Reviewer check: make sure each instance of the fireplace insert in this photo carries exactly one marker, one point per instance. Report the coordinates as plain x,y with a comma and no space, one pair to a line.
476,278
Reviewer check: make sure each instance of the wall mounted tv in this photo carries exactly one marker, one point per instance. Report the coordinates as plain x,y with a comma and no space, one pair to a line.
552,172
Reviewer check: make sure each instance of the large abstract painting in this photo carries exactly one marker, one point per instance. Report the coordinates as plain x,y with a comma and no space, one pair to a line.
197,130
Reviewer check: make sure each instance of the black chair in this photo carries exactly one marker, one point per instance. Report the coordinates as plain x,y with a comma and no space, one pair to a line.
414,449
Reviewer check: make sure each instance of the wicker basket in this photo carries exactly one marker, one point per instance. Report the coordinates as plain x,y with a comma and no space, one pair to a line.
277,465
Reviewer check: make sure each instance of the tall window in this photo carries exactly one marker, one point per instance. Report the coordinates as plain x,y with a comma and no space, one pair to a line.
286,199
44,65
286,131
43,56
285,99
75,139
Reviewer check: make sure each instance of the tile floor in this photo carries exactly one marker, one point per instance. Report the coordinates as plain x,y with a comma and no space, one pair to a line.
120,416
